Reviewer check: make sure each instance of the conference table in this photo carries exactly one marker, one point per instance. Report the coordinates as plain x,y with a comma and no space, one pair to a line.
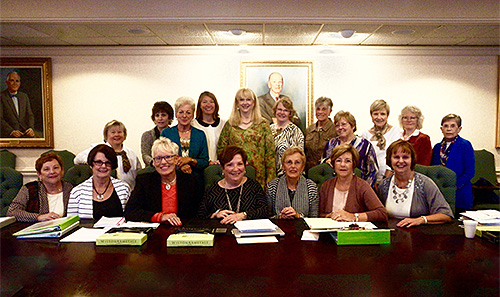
428,260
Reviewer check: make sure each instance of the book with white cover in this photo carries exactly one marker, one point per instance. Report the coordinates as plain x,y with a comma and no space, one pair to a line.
328,225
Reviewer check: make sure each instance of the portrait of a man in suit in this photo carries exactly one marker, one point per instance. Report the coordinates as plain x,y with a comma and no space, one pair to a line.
16,114
266,101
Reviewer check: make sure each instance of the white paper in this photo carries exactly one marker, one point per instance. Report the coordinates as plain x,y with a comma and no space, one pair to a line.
327,224
307,235
485,217
140,224
84,235
258,239
109,222
255,225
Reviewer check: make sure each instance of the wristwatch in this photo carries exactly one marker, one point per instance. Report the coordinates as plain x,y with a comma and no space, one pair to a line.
356,217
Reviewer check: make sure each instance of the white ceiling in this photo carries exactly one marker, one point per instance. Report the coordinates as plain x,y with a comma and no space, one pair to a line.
175,23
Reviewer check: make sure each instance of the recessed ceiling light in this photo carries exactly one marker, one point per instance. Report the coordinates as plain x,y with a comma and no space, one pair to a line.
136,31
237,32
347,33
403,32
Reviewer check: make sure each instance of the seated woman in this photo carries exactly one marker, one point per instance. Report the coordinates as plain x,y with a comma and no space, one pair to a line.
115,134
292,196
164,195
409,195
286,134
345,125
162,115
192,143
209,121
45,199
235,197
101,194
347,197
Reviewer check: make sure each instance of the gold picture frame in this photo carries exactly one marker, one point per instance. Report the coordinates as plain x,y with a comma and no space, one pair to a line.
35,93
497,142
297,83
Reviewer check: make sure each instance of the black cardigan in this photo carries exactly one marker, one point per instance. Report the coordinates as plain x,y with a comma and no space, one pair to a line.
145,200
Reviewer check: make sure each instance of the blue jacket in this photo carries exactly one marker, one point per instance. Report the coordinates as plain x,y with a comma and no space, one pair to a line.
198,148
461,161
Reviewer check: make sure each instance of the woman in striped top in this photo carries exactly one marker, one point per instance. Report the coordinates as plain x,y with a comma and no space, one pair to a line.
100,195
235,197
292,196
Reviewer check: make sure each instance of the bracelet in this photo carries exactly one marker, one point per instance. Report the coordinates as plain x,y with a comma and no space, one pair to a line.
425,219
356,216
245,214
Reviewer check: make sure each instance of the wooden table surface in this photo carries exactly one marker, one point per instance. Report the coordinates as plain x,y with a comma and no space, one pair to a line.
430,260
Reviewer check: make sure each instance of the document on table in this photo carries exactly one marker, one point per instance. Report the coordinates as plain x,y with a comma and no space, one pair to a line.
84,235
485,217
259,239
327,224
260,225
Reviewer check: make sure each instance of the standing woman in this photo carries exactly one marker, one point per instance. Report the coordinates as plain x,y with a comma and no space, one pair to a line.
45,199
101,194
411,120
381,135
345,125
247,129
286,134
164,195
235,197
115,134
209,121
292,196
162,116
318,134
346,197
191,141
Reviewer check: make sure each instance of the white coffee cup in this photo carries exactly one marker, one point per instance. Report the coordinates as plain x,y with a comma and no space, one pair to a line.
470,228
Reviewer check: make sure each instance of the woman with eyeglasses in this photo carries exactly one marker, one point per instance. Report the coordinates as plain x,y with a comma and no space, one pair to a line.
411,120
101,194
165,195
247,129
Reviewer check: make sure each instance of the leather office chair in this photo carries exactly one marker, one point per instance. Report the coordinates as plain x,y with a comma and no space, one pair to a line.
10,183
147,169
323,172
213,174
79,173
7,159
67,158
484,183
444,178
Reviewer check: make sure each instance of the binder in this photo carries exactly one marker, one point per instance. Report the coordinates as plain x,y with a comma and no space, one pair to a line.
49,226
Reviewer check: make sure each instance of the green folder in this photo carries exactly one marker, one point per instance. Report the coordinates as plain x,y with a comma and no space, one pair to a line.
362,237
48,226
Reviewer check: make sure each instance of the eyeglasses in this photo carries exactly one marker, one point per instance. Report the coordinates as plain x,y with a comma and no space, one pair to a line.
99,163
409,118
167,158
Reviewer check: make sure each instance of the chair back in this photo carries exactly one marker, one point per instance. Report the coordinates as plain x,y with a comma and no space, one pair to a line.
213,174
485,167
323,172
67,158
78,174
7,159
146,169
10,183
444,178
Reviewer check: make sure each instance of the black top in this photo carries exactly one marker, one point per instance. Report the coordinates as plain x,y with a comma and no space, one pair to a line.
111,207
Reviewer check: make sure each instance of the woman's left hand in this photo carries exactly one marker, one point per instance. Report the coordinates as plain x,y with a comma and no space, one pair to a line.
186,169
289,213
233,218
342,216
409,222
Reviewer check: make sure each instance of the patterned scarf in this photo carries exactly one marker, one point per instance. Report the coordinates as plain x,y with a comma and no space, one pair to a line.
125,161
282,199
445,151
379,135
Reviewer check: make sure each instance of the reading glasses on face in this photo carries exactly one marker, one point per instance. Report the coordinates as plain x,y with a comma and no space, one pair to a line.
99,163
167,158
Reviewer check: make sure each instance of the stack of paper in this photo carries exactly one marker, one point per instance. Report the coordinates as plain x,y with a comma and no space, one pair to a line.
256,231
484,217
329,225
48,229
109,222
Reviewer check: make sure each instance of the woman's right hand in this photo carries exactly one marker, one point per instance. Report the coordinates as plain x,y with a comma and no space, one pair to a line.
223,213
48,217
171,218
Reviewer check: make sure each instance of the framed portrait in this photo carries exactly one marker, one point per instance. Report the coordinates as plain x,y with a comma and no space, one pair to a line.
497,142
297,83
26,103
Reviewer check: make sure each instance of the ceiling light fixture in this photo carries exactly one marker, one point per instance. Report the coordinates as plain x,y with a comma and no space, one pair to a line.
347,33
237,32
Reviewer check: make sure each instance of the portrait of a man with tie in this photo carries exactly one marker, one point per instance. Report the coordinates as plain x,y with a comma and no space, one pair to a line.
16,114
